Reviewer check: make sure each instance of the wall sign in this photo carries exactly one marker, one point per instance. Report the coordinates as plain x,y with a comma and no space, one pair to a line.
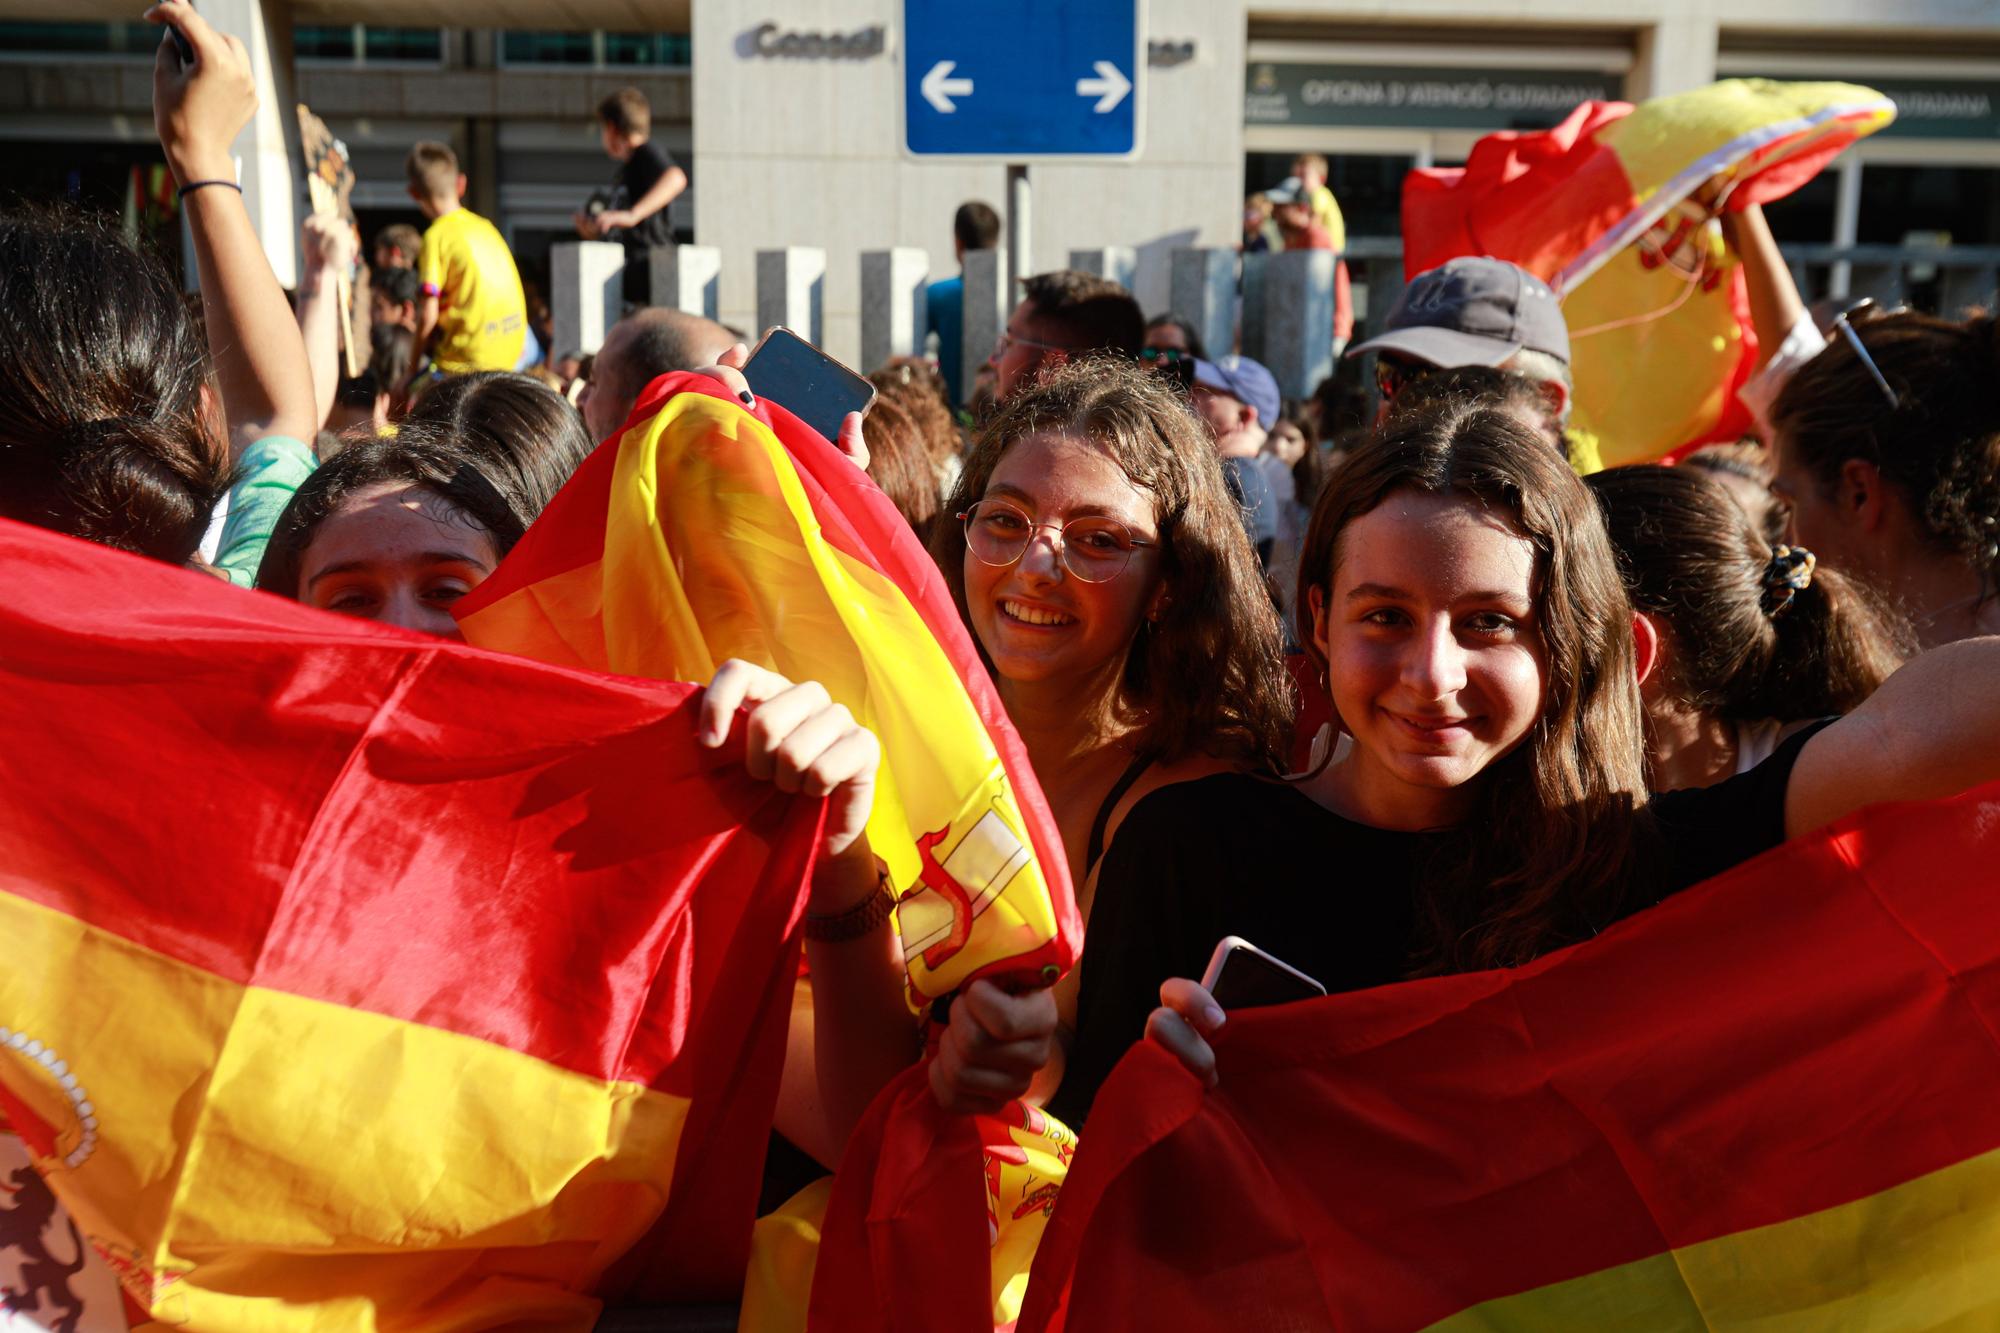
771,42
1411,96
1933,108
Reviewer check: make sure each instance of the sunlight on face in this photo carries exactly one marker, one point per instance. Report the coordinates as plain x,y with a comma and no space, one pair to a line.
1434,652
398,554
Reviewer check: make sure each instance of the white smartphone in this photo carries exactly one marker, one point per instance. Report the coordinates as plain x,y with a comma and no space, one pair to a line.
1242,976
805,381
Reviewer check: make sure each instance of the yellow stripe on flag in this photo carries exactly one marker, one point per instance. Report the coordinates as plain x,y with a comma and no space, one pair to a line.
452,1144
1890,1261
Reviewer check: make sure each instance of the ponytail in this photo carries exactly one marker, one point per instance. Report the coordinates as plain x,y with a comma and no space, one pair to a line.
1757,633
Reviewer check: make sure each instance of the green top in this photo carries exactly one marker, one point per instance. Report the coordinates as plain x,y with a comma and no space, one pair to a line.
268,472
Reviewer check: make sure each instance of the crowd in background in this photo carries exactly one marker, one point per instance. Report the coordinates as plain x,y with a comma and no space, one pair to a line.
1400,592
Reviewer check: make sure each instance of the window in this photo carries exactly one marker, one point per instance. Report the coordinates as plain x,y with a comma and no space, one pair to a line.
669,49
79,38
356,43
548,48
1899,204
596,50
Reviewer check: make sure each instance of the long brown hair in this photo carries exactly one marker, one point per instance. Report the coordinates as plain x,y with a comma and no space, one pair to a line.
1938,445
1208,677
1746,648
1559,835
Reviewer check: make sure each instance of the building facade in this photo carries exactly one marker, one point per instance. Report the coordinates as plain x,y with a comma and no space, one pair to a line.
787,114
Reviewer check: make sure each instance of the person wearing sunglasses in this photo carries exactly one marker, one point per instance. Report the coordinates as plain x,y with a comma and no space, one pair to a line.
1887,447
1100,563
1062,316
1478,311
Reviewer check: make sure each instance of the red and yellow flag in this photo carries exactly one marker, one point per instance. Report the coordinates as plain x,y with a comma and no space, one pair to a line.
704,531
1659,322
1772,1103
358,980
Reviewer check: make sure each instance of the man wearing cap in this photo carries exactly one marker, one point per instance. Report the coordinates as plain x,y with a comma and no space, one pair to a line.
1238,399
1478,311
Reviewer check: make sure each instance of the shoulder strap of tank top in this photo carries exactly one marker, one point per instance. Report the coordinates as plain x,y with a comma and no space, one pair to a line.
1094,849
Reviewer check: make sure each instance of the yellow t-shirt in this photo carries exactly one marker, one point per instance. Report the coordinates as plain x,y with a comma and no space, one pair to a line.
482,315
1327,213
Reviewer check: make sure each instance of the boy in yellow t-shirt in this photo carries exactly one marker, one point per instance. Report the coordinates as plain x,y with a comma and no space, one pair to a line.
471,289
1311,170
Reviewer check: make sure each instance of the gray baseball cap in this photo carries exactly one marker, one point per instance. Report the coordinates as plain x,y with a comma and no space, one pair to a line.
1473,311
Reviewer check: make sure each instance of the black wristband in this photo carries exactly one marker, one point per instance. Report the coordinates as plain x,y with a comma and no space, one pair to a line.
198,185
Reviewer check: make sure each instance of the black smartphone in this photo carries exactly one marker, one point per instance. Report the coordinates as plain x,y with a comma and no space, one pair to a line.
805,381
182,46
1242,976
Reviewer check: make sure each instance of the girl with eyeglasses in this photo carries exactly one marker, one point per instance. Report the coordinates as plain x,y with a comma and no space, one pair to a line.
1467,610
1103,569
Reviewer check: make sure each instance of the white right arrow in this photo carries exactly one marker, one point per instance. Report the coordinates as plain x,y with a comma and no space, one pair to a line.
939,87
1109,87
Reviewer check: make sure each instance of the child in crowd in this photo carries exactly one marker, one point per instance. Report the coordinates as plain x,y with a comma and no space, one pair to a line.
648,181
1467,610
471,295
1742,642
392,530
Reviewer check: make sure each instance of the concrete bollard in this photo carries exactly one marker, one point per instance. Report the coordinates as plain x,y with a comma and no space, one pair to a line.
985,312
1201,289
586,292
1116,262
1251,324
895,313
1298,319
791,287
687,278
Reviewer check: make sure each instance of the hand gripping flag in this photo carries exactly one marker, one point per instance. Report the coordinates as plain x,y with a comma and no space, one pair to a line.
1771,1103
352,980
702,532
1600,208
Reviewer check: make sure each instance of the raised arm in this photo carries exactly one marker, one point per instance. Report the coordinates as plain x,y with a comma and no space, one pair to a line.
329,249
198,109
1775,305
1931,730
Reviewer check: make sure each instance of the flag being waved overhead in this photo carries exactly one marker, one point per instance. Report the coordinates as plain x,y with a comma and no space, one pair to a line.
1600,208
704,531
1772,1103
351,979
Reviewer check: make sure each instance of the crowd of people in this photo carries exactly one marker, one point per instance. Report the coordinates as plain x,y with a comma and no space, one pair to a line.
1392,681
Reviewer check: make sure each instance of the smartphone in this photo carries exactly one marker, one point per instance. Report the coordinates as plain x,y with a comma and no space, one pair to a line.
805,381
1242,976
182,46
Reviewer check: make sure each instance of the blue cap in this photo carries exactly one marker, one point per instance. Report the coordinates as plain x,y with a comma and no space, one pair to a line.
1245,381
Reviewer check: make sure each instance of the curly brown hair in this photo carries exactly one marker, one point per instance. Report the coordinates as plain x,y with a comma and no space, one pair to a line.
1560,837
1209,676
1938,447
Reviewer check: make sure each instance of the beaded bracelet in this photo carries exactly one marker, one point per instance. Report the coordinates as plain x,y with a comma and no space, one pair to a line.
196,185
858,920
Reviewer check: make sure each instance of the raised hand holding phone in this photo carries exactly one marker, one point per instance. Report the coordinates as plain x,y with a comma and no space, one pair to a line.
203,93
728,371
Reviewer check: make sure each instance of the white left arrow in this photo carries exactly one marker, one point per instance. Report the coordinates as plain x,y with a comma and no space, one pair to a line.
1109,87
939,87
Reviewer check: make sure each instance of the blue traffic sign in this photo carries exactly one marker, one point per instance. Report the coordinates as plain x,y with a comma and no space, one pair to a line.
1020,79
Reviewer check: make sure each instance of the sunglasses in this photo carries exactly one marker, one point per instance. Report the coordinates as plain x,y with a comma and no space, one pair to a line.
1392,377
1845,323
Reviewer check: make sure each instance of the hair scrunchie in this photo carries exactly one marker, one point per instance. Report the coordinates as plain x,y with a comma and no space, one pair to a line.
1789,574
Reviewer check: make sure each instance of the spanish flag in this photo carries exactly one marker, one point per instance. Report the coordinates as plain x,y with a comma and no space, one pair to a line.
704,531
1597,207
1772,1103
355,980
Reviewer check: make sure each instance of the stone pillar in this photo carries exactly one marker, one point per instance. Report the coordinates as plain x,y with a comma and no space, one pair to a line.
1251,325
687,278
894,311
269,165
984,314
791,288
586,292
1298,319
1116,262
1202,290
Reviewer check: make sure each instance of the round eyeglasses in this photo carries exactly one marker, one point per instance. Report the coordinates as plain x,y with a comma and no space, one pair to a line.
1094,549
